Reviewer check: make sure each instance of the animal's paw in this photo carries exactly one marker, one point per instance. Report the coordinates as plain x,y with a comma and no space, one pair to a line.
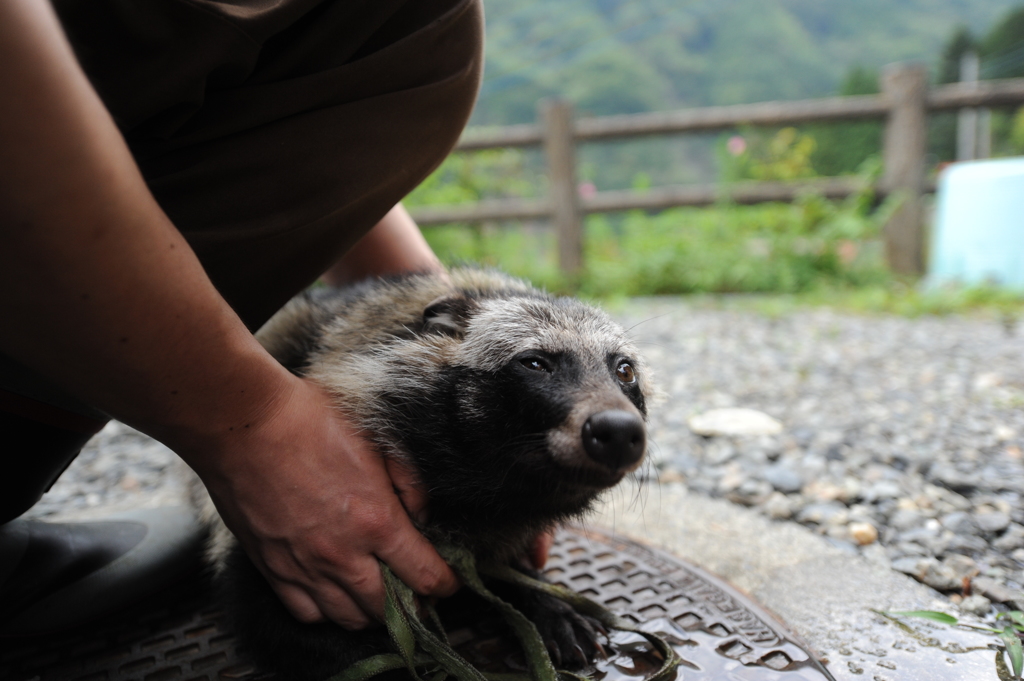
573,640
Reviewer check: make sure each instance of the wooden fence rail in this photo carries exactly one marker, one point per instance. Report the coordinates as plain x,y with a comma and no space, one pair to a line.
904,104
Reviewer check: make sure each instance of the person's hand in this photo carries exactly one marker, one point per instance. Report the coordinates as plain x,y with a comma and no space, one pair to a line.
315,507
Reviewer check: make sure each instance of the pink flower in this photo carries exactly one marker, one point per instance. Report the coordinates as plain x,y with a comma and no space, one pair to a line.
847,251
587,190
736,145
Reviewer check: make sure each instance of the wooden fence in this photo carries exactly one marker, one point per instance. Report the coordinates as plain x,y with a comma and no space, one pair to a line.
904,104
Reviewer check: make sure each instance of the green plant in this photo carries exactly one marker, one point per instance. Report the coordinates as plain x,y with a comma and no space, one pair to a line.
757,155
1017,132
842,147
787,157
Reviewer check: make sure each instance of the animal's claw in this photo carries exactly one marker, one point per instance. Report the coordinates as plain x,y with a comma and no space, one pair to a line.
570,636
555,652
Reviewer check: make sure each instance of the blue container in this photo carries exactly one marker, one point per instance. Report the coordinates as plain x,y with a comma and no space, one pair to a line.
979,224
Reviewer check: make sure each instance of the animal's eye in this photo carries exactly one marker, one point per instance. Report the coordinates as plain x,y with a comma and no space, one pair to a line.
624,372
535,364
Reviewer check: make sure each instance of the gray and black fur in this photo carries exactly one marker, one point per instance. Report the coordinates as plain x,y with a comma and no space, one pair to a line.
516,408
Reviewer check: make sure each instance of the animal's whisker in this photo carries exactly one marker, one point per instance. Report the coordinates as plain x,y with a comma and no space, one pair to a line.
645,321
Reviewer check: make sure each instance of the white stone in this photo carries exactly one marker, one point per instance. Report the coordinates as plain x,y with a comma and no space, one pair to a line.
863,533
976,605
734,421
778,506
1005,433
670,475
987,380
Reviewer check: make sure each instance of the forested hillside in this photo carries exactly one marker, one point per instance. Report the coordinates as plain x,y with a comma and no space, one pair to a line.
617,56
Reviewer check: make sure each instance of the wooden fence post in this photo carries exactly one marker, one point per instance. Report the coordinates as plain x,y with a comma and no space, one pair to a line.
557,124
906,88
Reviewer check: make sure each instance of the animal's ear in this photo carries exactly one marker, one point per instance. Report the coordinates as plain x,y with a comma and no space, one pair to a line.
449,314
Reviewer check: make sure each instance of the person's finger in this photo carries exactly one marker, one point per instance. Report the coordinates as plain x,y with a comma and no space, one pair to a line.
317,594
361,584
344,609
297,601
540,549
407,487
415,561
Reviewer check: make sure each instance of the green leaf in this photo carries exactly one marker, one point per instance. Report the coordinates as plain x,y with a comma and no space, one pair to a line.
370,667
399,629
537,659
1016,615
1013,647
924,614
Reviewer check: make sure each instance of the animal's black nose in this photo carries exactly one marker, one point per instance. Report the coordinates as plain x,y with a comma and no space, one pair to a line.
614,438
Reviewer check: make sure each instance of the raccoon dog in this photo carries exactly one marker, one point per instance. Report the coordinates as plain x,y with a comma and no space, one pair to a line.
515,407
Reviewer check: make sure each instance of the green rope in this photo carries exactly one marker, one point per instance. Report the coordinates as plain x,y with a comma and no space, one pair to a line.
421,651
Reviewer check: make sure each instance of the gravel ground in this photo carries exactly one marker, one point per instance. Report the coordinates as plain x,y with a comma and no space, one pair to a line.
902,439
119,469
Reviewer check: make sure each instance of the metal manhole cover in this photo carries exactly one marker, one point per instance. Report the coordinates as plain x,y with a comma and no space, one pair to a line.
719,633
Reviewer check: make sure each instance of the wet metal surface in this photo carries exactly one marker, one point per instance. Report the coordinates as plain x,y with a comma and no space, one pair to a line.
178,635
719,633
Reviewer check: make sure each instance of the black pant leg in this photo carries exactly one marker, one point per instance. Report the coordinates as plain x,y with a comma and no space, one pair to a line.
36,453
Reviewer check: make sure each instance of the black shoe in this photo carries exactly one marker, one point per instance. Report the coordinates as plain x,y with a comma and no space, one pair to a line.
56,576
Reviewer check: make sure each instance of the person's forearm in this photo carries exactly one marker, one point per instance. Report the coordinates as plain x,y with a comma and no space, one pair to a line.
98,290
